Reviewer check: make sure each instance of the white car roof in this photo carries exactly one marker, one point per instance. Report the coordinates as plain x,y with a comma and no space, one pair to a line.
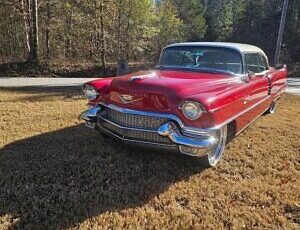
242,48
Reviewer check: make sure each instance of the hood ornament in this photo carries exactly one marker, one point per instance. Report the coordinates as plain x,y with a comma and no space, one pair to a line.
134,78
142,76
126,98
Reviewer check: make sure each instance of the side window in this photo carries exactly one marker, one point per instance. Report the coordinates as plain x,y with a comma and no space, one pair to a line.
256,63
252,62
263,63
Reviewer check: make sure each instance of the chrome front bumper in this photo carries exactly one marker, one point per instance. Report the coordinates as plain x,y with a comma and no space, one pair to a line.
191,142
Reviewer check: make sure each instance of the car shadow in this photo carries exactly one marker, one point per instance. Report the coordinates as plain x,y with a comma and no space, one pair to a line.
59,179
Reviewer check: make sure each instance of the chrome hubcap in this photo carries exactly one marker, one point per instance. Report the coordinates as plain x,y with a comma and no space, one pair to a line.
216,153
272,108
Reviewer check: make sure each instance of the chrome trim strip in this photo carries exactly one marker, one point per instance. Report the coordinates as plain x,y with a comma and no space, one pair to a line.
134,141
86,115
238,114
258,116
277,98
90,114
185,129
174,135
127,128
143,113
169,130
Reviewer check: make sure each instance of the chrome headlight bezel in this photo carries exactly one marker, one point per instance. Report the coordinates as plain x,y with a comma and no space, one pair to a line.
192,110
90,92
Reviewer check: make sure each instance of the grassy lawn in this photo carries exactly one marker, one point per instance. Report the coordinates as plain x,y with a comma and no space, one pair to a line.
55,173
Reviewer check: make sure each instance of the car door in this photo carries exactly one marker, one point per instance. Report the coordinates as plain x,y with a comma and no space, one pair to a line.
257,99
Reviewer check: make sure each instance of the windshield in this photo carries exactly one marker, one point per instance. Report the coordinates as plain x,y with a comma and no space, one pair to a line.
202,58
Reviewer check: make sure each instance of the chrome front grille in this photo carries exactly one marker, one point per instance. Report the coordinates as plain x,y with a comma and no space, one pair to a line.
133,120
136,134
133,126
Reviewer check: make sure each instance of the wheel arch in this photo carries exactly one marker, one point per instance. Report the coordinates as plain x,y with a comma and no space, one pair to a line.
231,130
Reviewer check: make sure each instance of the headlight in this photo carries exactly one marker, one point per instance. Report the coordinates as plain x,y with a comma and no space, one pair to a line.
191,110
90,92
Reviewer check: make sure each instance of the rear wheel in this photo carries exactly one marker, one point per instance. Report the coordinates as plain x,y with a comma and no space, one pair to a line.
272,108
215,154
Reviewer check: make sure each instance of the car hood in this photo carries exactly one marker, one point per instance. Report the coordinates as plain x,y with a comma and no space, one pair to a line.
164,89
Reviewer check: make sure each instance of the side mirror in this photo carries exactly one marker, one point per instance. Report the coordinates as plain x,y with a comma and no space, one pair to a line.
280,66
247,77
251,74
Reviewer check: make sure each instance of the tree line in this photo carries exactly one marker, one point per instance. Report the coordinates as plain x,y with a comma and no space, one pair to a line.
104,31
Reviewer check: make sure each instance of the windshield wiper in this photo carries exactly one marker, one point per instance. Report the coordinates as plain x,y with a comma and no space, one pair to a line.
195,69
159,67
216,71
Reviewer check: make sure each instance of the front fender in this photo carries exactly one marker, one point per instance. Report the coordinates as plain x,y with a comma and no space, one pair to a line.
101,85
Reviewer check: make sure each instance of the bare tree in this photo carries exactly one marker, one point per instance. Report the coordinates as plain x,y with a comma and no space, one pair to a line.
47,33
25,15
281,31
102,35
34,42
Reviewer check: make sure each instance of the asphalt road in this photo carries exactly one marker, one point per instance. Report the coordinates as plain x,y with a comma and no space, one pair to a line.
293,83
293,86
42,82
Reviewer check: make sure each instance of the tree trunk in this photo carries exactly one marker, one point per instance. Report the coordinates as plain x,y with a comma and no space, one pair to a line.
102,35
9,48
68,44
47,37
280,33
25,16
33,55
296,17
119,33
14,38
205,4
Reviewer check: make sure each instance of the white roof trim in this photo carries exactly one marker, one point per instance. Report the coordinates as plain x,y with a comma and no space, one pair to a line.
243,48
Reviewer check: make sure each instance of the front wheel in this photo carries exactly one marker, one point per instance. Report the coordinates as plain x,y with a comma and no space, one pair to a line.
215,154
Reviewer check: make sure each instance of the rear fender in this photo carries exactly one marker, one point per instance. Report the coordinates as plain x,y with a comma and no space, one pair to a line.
278,81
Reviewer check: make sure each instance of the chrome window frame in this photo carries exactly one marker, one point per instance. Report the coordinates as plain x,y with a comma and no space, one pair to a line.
243,70
260,54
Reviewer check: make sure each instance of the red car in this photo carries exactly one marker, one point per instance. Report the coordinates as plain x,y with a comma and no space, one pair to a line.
198,97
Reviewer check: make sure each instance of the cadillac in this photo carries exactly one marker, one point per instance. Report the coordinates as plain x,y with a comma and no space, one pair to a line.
198,97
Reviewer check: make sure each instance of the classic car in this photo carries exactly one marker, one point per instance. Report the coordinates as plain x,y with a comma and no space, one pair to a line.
198,97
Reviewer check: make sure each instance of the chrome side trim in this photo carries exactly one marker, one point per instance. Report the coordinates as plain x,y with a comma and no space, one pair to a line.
93,112
258,116
238,114
185,129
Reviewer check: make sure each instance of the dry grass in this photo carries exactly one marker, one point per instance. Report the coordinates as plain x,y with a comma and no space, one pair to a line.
55,173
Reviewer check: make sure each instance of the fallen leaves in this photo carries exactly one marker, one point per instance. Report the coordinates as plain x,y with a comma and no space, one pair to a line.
57,174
